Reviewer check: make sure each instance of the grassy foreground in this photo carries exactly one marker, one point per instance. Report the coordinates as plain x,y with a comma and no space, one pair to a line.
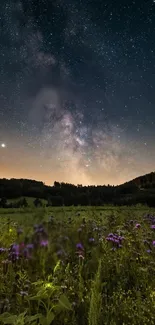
77,267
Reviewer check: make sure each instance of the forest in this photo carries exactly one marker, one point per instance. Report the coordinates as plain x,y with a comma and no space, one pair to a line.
138,191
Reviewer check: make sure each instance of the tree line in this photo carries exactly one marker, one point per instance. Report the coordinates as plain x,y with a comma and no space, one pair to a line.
141,190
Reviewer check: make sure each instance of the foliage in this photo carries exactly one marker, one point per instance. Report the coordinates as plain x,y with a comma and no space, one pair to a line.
82,267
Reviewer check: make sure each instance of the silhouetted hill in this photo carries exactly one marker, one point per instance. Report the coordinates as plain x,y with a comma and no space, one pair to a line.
145,182
138,190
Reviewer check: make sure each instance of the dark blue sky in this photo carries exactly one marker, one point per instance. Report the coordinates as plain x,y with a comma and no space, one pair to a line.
77,85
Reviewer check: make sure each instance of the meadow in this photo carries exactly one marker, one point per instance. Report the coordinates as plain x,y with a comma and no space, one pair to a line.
77,266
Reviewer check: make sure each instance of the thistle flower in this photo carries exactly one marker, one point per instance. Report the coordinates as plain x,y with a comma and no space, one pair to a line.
14,252
138,225
152,226
79,246
30,246
44,243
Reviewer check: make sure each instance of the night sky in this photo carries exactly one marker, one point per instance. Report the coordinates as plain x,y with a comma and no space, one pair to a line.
77,90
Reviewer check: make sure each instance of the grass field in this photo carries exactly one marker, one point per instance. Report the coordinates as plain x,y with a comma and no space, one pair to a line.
77,266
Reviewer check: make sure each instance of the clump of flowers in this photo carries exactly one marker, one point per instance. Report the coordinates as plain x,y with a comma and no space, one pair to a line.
115,239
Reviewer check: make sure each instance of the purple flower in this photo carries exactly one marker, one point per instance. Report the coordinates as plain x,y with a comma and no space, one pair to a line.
79,246
91,240
137,225
153,227
110,235
44,243
14,252
148,251
2,250
153,243
30,246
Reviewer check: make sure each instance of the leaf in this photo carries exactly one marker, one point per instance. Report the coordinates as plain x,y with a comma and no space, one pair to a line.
30,319
50,317
11,319
35,298
63,301
42,320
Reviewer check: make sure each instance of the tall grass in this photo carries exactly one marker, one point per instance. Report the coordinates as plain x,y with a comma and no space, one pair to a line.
94,268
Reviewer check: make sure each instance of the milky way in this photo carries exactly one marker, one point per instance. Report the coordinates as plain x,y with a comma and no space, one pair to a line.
77,90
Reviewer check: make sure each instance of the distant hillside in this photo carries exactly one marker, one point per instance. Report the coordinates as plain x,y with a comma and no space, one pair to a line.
146,181
138,190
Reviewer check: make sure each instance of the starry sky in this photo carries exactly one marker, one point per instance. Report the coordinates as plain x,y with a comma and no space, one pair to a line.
77,90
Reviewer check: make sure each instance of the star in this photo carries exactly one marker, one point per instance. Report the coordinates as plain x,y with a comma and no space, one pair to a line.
3,145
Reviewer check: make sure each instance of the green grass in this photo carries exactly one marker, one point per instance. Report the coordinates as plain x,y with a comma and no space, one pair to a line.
59,284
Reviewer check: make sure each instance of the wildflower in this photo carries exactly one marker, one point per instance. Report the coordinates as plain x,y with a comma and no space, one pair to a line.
44,243
2,250
30,246
148,251
137,226
153,227
153,243
14,252
91,240
79,246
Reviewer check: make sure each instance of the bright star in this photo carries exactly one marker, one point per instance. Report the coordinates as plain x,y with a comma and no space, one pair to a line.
3,145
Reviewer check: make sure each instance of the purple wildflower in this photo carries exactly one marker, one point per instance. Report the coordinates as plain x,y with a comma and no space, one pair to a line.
148,251
91,240
153,227
79,246
137,226
2,250
30,246
153,243
44,243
